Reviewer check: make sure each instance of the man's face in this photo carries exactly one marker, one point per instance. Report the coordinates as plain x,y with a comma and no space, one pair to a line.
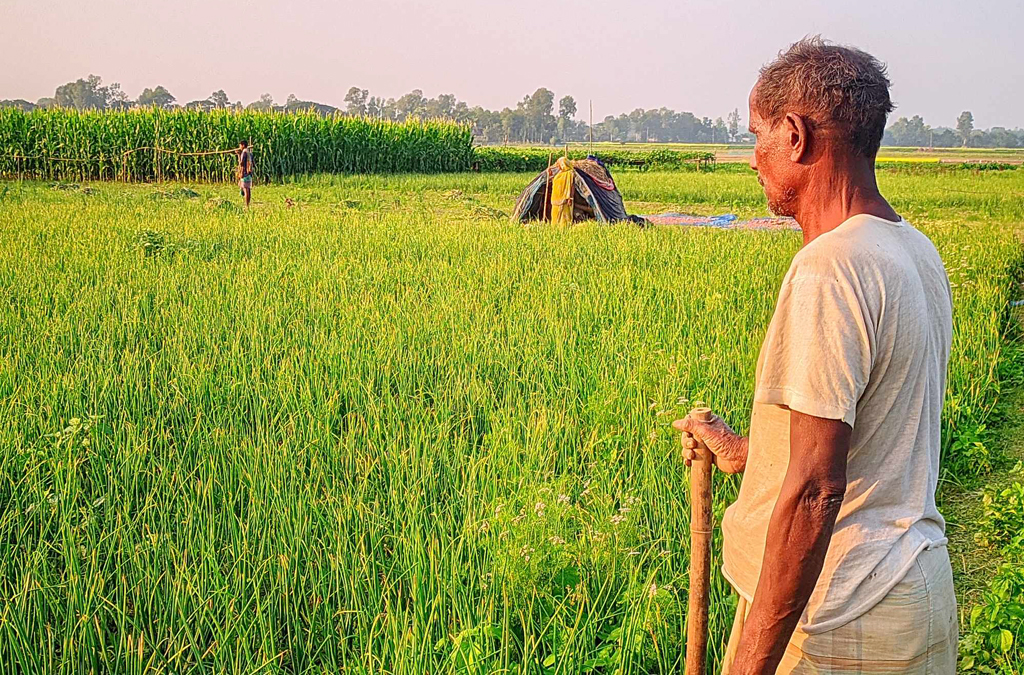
772,161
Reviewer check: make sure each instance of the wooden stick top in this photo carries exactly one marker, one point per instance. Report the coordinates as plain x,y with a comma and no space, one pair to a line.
701,414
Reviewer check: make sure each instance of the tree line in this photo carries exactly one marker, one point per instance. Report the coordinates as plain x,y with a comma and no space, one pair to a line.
534,119
914,133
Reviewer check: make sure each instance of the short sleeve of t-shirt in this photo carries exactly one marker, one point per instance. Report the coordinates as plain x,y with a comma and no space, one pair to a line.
817,353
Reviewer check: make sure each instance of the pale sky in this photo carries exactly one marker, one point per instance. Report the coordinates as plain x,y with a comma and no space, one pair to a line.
701,56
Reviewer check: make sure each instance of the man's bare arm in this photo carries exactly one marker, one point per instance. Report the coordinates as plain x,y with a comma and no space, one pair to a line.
798,537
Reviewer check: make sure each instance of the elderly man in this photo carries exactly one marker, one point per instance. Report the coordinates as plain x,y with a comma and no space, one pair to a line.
835,545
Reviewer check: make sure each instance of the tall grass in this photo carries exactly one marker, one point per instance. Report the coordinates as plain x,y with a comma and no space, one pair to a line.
71,145
383,430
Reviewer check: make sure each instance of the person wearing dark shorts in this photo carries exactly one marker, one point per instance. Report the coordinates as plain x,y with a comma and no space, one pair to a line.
244,171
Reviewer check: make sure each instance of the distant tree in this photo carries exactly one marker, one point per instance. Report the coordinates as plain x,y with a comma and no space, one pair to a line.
117,99
375,106
896,134
734,124
219,99
19,103
410,105
914,132
87,94
944,138
911,132
486,124
355,101
537,108
965,126
719,132
441,107
567,108
294,104
158,97
566,128
46,102
1000,137
513,125
264,104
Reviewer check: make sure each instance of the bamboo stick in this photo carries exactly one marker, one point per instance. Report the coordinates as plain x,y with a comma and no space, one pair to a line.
591,127
544,215
700,553
156,152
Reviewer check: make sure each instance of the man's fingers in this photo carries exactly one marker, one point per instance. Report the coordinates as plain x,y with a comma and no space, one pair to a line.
690,429
685,424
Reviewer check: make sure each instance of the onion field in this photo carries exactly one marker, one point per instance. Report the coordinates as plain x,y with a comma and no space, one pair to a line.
371,426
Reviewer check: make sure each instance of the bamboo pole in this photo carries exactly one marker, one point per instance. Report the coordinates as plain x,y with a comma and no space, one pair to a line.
572,188
547,187
591,127
156,151
700,553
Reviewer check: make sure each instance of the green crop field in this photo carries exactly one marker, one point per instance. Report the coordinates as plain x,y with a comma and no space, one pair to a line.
153,144
729,153
371,426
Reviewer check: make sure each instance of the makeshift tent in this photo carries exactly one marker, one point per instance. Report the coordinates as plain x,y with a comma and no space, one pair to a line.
593,195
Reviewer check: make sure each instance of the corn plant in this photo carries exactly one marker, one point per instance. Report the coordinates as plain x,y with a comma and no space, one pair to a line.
149,144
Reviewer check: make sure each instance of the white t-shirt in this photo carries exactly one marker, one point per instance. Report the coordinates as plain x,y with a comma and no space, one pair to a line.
861,333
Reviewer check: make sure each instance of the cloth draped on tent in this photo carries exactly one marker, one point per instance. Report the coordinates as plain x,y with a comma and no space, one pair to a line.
562,193
594,195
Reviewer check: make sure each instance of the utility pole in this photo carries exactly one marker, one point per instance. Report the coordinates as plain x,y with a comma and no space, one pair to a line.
591,126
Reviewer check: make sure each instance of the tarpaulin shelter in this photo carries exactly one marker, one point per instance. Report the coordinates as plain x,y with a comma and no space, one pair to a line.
594,195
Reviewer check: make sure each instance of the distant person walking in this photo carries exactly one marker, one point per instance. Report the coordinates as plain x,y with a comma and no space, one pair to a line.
244,171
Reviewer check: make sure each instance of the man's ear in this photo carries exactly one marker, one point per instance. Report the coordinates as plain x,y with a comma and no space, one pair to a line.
797,136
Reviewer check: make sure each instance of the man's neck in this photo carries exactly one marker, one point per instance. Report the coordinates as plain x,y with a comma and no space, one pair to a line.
837,193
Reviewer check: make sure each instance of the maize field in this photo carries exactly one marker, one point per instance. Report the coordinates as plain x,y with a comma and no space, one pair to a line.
153,144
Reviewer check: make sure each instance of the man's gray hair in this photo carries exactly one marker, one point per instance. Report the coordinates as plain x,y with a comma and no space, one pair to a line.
834,86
